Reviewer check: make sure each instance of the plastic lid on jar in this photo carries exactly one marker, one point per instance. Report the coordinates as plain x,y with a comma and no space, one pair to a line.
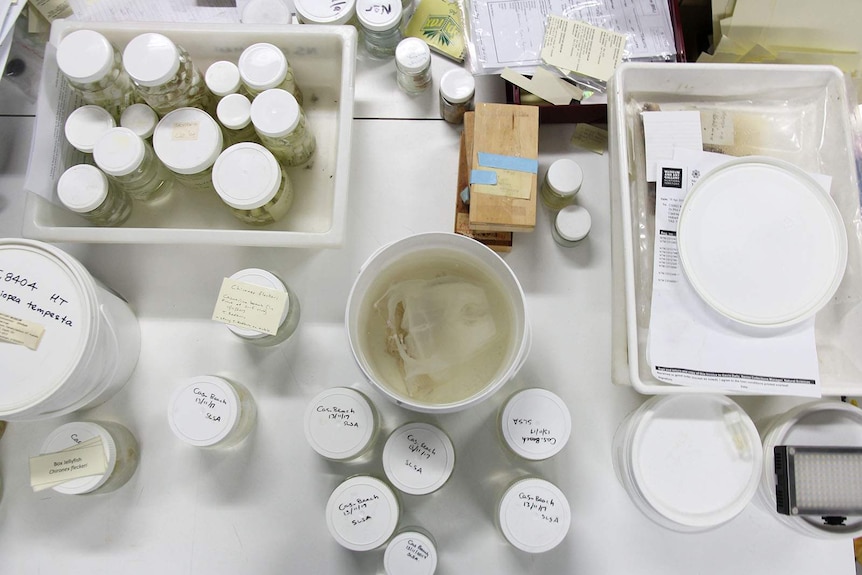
82,188
85,56
565,177
263,278
362,513
85,125
151,59
534,515
234,111
119,152
204,410
141,119
275,113
72,434
262,66
573,223
457,86
317,12
188,140
412,55
418,458
535,423
222,78
340,423
379,15
266,12
410,553
246,176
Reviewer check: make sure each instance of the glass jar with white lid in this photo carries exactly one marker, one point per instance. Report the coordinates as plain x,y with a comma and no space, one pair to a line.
533,515
380,21
534,424
561,183
249,179
234,114
418,458
289,320
222,78
264,66
457,90
133,165
571,225
85,125
362,513
413,65
85,190
211,412
141,119
412,551
332,12
189,141
281,124
266,12
341,424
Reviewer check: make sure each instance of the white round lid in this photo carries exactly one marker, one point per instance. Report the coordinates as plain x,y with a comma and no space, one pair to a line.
339,423
234,111
377,15
204,410
246,176
457,86
534,515
418,458
324,12
410,553
82,188
222,78
72,434
536,423
573,223
696,459
275,113
761,242
362,513
151,59
139,118
85,125
258,277
565,177
266,12
188,140
85,56
119,152
262,66
412,54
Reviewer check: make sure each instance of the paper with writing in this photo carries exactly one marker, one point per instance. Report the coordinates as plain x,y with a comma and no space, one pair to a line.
250,306
83,460
664,131
582,48
590,138
19,331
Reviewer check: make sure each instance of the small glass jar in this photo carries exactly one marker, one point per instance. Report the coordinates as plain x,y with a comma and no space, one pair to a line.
141,119
189,141
234,114
457,89
562,182
264,67
412,551
362,513
281,125
535,424
413,66
341,424
121,454
289,316
571,225
85,190
533,515
133,165
249,179
164,74
380,22
94,69
222,78
332,12
418,458
212,412
266,12
85,125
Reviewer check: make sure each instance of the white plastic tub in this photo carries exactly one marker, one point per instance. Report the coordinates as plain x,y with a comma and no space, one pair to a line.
323,59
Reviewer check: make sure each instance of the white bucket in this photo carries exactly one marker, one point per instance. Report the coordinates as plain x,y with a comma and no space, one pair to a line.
688,462
90,343
818,423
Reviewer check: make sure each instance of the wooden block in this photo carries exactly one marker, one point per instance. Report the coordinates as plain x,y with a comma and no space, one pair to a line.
508,130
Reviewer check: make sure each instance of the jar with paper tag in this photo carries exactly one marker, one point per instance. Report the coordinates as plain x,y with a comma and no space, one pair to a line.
212,412
284,305
189,141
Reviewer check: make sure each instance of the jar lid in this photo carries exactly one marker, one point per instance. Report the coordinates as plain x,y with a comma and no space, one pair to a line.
265,279
141,119
534,515
410,553
362,513
222,78
339,423
536,423
151,59
565,177
262,66
85,125
418,458
82,188
317,12
573,223
234,111
246,176
412,55
85,56
379,15
119,152
457,86
204,410
72,434
188,140
275,113
266,12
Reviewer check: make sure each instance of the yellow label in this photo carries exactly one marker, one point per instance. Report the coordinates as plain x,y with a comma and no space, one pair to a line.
590,138
185,131
83,460
510,184
250,306
21,332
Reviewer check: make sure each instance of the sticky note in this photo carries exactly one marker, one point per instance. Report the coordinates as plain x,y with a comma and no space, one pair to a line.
250,306
582,48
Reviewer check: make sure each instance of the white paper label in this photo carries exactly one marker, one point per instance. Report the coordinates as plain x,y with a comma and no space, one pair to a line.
82,460
19,331
250,306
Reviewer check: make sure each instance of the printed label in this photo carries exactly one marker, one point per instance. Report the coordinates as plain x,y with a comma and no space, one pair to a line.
250,306
85,459
21,332
185,131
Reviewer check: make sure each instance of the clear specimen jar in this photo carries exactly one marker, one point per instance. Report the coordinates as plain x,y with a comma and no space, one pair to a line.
331,12
457,89
380,22
571,225
535,424
533,515
249,179
413,65
341,424
264,66
133,165
93,68
289,320
210,411
418,458
412,551
164,74
282,127
561,183
141,119
189,141
85,190
222,78
362,513
234,114
85,125
266,12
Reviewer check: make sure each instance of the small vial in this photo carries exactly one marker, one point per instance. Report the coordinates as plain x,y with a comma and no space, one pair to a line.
571,225
94,69
264,67
189,141
418,458
212,412
457,88
222,78
84,189
85,125
534,515
341,424
234,114
380,22
249,179
412,551
535,424
164,74
141,119
281,125
562,182
131,163
121,454
266,12
413,65
325,12
289,315
362,513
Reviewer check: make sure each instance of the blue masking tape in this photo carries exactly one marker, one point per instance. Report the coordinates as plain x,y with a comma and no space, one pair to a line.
508,163
483,177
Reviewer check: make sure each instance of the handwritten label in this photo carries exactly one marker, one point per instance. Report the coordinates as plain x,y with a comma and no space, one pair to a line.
185,131
21,332
717,127
416,551
582,48
250,306
341,416
358,506
590,138
83,459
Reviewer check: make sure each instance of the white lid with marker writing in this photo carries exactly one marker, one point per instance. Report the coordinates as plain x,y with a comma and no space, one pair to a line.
410,552
535,424
204,411
71,434
317,12
341,423
534,515
362,513
418,458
